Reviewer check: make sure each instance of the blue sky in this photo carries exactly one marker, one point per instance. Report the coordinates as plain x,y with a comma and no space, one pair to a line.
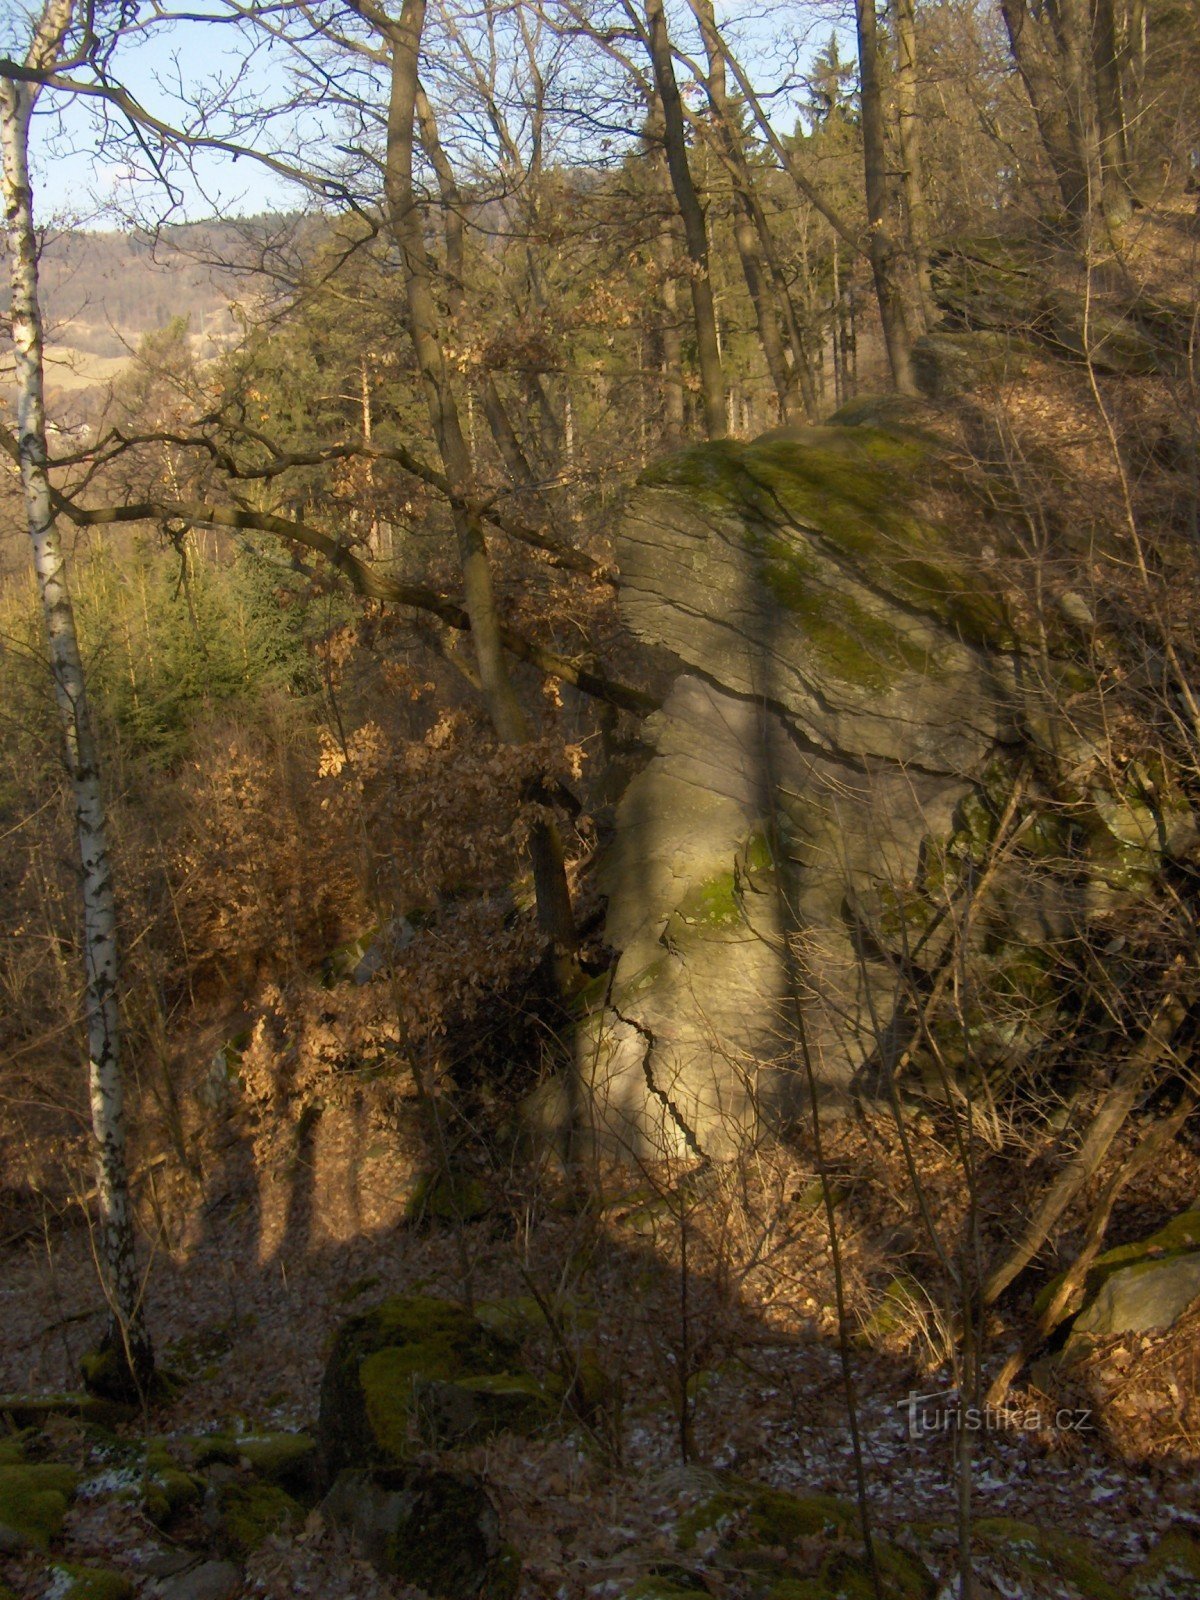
165,67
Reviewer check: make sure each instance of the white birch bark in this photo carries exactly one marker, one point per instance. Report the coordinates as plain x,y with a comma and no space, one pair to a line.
127,1335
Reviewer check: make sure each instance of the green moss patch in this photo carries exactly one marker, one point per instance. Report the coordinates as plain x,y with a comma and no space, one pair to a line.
89,1583
33,1502
1038,1556
749,1515
251,1512
1170,1572
416,1363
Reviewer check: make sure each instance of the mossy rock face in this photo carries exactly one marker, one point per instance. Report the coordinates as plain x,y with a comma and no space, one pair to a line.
1040,1557
88,1583
437,1530
1170,1572
419,1370
946,364
34,1498
251,1512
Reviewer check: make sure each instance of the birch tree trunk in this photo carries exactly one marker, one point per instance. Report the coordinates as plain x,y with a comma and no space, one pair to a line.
128,1356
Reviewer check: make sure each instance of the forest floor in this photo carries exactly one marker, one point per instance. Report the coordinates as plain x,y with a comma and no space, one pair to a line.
286,1224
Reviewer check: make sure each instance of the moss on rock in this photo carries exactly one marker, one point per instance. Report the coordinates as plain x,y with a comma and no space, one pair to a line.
416,1363
88,1583
284,1458
750,1515
33,1502
251,1512
166,1488
1039,1556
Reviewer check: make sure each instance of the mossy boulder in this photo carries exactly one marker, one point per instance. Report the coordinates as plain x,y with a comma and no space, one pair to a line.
848,688
167,1490
417,1371
252,1511
289,1459
34,1497
88,1583
436,1530
846,1575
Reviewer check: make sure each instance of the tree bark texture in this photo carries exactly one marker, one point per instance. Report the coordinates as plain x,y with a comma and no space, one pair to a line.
908,129
885,258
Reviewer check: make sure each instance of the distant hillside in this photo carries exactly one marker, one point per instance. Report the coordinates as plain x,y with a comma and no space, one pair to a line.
103,292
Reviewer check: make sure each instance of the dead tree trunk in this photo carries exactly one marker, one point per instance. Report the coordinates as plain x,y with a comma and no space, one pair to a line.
128,1366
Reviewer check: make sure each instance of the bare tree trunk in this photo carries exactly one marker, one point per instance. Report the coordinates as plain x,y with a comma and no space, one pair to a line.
555,913
908,124
1110,114
691,213
503,433
1036,67
747,232
885,258
129,1358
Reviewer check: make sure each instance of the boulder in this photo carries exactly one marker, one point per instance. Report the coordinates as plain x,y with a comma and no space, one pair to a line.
32,1410
417,1371
437,1530
840,739
1140,1287
206,1580
250,1512
1146,1297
